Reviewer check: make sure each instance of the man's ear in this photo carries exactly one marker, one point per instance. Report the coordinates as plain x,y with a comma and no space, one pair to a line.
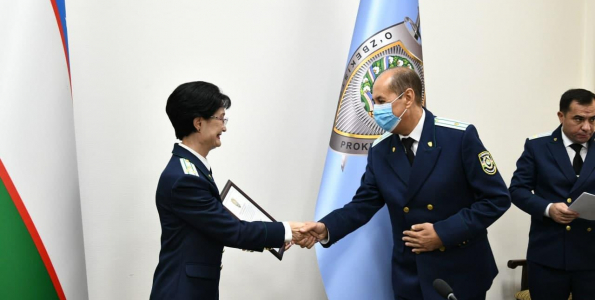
409,97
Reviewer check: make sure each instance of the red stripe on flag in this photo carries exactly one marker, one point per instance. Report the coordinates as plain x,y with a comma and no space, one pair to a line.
14,195
57,14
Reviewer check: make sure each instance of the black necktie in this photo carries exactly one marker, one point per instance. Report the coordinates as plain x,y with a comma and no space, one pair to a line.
577,162
408,143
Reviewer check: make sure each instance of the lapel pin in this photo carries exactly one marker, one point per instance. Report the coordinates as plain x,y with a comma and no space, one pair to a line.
394,149
430,144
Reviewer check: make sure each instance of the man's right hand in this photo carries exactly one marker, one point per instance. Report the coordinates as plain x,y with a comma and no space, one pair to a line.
316,229
305,240
560,213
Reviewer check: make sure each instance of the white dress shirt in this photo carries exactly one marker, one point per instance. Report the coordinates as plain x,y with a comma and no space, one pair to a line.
416,133
571,153
203,160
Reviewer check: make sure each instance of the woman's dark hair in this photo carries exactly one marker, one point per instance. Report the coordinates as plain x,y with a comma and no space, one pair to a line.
582,96
192,100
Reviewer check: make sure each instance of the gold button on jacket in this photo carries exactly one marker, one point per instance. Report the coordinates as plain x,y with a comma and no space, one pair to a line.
406,209
430,206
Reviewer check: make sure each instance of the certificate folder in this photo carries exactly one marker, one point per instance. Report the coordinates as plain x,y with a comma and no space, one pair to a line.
244,208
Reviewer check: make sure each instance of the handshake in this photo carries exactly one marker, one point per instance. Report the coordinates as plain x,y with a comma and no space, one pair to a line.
306,234
420,238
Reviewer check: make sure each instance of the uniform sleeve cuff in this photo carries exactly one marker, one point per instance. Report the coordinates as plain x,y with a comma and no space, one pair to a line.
288,235
328,237
547,210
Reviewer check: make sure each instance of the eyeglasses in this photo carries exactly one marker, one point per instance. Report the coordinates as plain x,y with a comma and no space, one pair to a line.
224,120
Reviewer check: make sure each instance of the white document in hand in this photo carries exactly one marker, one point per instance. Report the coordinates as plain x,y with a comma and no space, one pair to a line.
585,206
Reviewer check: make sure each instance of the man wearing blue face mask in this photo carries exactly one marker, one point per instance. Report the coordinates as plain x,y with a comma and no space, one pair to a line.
442,189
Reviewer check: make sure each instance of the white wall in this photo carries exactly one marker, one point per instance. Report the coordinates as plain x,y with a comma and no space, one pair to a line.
588,45
501,65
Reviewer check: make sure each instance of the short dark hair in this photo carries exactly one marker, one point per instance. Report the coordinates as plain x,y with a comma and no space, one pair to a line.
404,78
192,100
582,96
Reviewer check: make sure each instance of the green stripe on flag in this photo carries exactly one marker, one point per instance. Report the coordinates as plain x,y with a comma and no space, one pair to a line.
23,274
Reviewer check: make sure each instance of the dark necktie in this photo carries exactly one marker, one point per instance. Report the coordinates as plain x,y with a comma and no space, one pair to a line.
408,143
577,162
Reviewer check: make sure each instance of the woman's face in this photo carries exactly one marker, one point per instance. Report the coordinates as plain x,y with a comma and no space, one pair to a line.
211,130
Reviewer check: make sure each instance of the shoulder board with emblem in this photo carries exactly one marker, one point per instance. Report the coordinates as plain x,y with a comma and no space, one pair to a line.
539,135
188,167
454,124
381,138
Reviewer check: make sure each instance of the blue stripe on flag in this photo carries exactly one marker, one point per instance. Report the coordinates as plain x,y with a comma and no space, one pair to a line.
371,74
62,9
385,62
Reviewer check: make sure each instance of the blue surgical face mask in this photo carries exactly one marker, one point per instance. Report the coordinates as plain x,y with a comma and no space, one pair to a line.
383,114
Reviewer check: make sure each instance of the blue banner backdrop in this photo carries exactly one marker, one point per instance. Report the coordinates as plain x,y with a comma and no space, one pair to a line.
387,34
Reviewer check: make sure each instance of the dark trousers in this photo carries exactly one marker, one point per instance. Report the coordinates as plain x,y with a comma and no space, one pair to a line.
546,283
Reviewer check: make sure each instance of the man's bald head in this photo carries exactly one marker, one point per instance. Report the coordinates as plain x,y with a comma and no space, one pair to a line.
401,78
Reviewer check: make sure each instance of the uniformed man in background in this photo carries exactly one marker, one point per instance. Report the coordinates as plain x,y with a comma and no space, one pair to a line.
552,172
442,189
